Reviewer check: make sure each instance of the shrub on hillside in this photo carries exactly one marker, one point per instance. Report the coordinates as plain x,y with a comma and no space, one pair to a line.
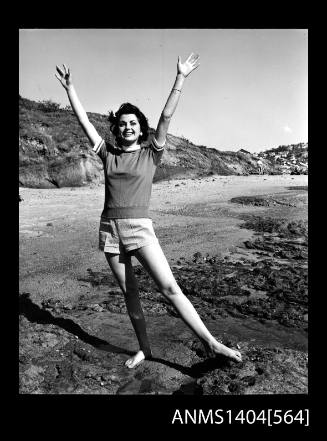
48,106
27,104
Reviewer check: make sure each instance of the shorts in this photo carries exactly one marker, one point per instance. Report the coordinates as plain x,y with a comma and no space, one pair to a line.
119,236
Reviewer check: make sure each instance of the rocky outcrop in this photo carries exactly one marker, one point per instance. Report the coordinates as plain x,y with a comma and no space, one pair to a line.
287,159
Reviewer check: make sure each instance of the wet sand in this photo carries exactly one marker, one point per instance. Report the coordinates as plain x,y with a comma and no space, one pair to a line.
67,291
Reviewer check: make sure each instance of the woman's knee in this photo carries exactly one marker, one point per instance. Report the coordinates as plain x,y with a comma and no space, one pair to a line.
170,289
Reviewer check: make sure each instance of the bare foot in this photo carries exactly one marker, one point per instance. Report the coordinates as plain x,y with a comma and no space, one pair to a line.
134,361
220,349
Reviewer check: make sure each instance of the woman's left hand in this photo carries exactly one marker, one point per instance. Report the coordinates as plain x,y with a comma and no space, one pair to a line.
189,65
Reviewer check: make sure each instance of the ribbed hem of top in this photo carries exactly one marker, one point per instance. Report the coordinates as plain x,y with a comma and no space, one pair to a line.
125,212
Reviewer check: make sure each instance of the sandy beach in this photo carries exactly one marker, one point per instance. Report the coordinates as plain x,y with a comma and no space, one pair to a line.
75,333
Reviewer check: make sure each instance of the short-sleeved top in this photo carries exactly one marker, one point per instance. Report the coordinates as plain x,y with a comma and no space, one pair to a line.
128,178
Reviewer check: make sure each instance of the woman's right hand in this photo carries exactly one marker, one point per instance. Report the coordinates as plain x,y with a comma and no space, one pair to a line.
64,76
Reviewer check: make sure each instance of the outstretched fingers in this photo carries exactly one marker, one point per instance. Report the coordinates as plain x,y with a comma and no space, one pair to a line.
58,77
195,66
61,73
193,58
64,75
193,61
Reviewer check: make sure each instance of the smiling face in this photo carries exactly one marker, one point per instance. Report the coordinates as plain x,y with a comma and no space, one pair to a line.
129,129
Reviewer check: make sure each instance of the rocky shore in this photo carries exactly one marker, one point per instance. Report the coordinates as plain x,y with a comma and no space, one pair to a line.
251,291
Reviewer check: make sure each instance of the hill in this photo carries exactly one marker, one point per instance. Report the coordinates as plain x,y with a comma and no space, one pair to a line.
288,158
54,152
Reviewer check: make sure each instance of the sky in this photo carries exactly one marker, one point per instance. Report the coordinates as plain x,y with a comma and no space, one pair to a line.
250,90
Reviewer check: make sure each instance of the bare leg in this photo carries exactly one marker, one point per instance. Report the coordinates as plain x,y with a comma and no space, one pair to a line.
123,271
154,261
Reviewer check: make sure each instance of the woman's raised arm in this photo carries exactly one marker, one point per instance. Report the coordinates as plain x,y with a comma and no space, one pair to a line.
183,70
65,79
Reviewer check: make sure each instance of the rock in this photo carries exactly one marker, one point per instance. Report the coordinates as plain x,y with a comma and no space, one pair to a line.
97,308
234,387
197,256
259,370
113,378
68,307
250,380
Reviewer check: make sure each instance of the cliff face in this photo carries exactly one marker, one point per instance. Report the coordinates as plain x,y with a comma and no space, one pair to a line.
54,152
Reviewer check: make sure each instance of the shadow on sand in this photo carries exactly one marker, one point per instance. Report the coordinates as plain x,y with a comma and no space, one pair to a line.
35,314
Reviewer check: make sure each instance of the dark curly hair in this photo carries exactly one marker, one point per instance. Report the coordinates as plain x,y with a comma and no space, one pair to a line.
125,109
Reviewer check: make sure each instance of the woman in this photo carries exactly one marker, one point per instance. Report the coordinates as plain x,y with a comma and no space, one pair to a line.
125,226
